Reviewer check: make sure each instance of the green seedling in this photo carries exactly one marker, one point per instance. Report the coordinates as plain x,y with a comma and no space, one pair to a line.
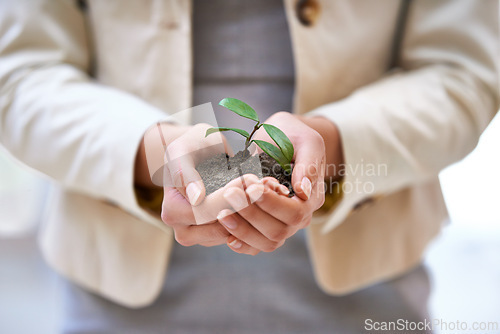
283,154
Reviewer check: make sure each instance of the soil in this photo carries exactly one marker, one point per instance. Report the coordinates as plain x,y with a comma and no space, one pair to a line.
221,169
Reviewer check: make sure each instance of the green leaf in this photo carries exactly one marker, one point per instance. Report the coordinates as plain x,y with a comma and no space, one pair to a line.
213,130
281,140
239,107
275,153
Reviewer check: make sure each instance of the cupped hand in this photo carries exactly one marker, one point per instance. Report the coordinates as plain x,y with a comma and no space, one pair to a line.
184,190
185,208
273,217
251,215
264,225
309,155
184,218
184,153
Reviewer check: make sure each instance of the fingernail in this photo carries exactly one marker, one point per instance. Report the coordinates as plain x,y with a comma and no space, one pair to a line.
253,178
193,192
255,191
272,183
236,198
235,244
283,190
306,186
280,188
227,221
224,213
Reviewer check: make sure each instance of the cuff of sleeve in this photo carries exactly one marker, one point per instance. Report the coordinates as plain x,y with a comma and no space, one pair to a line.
333,196
362,165
150,199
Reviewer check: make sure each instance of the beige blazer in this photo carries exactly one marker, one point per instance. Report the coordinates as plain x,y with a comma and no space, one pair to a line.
80,86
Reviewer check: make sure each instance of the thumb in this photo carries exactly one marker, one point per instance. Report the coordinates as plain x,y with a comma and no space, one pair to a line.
308,171
182,174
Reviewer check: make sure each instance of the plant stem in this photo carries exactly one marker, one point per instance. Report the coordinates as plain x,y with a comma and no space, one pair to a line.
249,139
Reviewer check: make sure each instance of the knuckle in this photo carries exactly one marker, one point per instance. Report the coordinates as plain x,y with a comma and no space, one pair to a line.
183,240
317,140
271,247
247,251
177,178
167,218
248,211
321,202
243,233
297,217
266,195
176,149
254,252
307,221
218,232
203,125
239,251
316,137
278,235
316,169
282,114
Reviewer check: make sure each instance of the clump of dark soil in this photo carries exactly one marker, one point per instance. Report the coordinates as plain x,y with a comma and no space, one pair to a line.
221,169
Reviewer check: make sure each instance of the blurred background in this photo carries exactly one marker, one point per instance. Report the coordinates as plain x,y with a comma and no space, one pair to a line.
463,263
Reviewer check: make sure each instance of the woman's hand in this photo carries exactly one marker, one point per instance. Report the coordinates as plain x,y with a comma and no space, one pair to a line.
184,219
166,158
273,217
184,153
256,215
309,155
191,215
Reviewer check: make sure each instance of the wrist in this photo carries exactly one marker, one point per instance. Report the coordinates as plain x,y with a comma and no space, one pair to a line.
151,152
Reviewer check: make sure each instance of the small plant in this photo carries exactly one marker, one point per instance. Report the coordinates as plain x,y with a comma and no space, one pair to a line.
283,154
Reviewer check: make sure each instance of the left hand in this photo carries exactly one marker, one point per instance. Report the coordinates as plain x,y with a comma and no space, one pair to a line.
309,155
264,225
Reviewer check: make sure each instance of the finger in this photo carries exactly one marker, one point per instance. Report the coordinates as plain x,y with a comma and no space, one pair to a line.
208,146
182,174
288,210
266,224
206,235
182,156
240,247
308,169
245,232
208,210
195,143
274,185
315,202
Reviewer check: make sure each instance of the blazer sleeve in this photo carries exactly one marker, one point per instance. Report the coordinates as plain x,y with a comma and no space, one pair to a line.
429,113
54,117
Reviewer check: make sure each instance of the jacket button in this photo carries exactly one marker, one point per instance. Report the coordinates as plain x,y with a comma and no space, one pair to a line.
307,11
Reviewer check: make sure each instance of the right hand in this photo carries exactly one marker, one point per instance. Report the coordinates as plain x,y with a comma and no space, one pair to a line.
184,153
184,205
182,217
